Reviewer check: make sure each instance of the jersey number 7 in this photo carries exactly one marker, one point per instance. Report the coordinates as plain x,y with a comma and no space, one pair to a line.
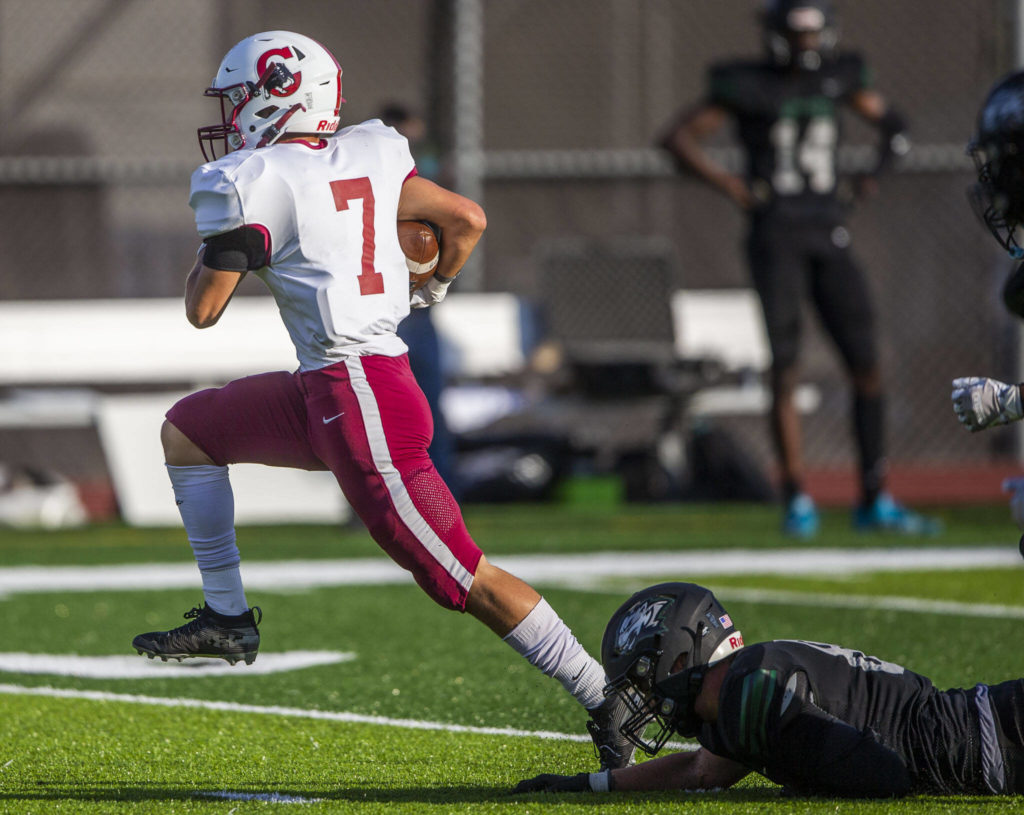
352,189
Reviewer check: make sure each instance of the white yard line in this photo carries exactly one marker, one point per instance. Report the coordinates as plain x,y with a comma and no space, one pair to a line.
873,602
294,712
546,569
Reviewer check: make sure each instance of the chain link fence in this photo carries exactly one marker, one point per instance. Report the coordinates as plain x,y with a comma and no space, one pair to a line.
101,99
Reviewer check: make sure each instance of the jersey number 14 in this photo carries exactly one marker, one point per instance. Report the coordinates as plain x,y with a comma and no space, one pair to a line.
804,160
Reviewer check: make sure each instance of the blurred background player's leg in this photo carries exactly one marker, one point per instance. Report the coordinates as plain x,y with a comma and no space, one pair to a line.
840,293
777,263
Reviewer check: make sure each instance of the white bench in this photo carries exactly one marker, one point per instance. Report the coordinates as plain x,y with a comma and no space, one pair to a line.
55,356
728,325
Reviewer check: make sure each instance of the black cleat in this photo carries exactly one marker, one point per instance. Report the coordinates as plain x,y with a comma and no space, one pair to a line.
209,634
613,749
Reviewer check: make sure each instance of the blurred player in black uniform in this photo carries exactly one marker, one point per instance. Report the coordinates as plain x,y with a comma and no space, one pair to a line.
786,109
998,199
818,719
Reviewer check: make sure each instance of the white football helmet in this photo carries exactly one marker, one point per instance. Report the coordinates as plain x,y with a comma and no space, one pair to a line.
270,84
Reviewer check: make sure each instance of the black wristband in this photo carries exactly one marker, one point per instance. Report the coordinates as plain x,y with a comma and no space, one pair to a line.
893,139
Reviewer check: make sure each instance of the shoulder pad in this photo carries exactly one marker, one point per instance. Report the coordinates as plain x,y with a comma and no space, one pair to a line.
373,127
214,199
853,71
730,83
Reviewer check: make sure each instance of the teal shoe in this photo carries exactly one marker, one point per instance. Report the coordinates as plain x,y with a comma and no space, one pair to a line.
885,515
801,520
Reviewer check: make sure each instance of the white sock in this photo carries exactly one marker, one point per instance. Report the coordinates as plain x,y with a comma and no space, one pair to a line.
207,507
547,643
223,592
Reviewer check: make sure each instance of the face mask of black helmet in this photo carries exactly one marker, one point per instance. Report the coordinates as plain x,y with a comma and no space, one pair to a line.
998,152
656,650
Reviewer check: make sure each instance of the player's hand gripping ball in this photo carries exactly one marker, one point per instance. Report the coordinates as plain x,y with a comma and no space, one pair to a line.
421,249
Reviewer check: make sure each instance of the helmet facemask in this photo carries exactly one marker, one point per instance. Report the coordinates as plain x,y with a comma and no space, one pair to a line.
998,196
228,133
650,704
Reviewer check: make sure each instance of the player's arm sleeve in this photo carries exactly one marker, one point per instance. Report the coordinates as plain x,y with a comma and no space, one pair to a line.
891,124
823,755
240,250
892,132
229,243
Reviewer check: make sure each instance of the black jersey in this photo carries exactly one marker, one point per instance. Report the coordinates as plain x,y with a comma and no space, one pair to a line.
822,719
788,123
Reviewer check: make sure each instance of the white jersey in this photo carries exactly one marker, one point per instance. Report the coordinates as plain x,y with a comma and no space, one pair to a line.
329,215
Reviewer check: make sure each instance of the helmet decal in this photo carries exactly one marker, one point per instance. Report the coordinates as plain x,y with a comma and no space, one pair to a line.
642,619
285,53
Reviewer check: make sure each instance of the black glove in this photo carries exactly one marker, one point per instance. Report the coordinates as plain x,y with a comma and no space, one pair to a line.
548,782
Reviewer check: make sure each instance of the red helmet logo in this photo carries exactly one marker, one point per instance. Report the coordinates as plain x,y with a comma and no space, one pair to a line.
284,53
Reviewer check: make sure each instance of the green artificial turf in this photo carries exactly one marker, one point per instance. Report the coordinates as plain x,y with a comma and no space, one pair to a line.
415,661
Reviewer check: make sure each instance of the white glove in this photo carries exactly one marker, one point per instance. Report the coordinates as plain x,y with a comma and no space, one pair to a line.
431,293
1015,486
980,402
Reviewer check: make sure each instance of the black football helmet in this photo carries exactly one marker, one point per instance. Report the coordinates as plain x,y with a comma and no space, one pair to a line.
655,651
800,33
998,152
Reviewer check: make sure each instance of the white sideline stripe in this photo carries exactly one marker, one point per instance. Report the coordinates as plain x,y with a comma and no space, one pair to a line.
834,562
299,713
547,569
880,602
404,505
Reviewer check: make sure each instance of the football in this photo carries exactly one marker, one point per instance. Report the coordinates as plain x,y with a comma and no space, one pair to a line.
419,244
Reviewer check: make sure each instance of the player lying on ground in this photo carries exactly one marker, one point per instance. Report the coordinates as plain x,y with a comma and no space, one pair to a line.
818,719
313,212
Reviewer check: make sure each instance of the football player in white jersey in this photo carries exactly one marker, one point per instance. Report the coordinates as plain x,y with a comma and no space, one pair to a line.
313,213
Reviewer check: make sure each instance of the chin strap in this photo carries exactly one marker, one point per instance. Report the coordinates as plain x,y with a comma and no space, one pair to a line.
276,130
676,697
